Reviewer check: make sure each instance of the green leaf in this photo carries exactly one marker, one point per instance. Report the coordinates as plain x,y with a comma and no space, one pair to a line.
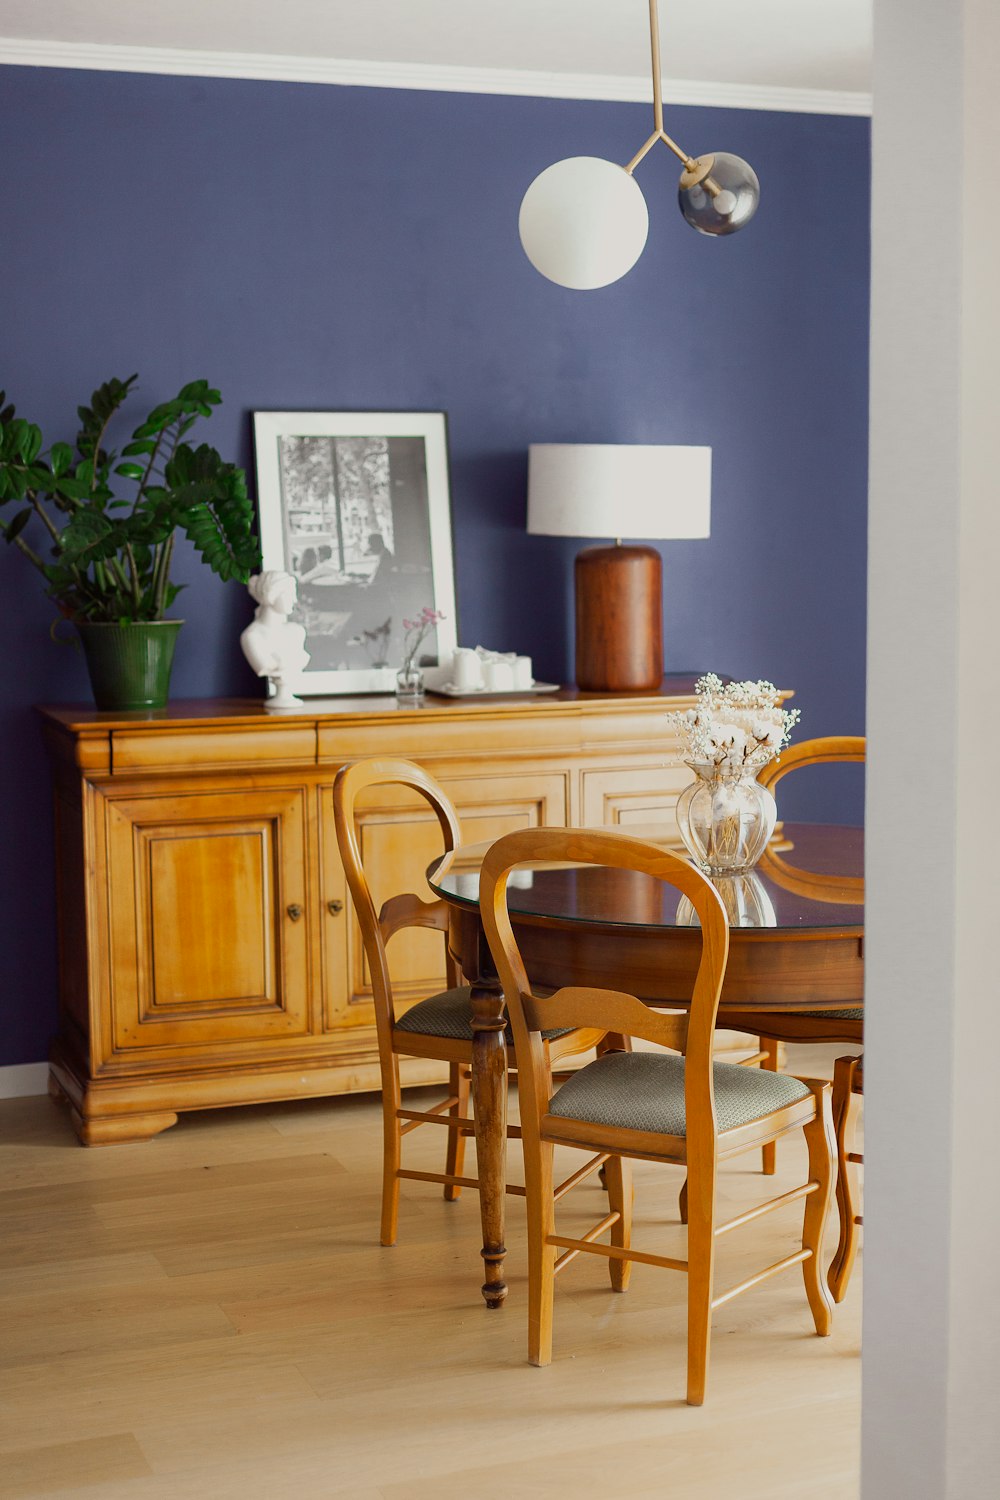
31,443
60,457
75,488
130,471
131,450
17,525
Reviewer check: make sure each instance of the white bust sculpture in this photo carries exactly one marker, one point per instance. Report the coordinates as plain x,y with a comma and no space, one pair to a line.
272,644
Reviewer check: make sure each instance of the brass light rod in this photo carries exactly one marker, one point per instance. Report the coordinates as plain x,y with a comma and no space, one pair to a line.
695,170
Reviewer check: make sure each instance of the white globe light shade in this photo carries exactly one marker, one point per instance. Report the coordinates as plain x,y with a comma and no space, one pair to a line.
583,222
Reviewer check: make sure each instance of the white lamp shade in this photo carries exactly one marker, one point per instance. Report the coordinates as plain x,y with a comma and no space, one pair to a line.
583,222
619,490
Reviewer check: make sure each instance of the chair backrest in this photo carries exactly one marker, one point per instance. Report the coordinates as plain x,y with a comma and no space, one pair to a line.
828,750
400,911
824,751
607,1010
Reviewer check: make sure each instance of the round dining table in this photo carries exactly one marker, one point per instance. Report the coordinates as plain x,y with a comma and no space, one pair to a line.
796,944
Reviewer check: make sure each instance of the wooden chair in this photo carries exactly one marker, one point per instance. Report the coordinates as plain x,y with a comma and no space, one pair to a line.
848,1080
437,1027
846,1025
652,1106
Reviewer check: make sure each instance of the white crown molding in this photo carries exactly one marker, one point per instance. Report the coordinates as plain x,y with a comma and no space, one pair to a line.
447,79
22,1080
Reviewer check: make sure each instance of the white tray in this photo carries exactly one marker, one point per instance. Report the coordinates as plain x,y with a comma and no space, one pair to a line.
449,690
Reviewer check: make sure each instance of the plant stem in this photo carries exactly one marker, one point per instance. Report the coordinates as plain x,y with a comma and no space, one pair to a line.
161,575
143,482
134,573
29,553
97,449
47,521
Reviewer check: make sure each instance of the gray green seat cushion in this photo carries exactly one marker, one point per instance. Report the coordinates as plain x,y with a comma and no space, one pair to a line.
850,1013
450,1015
645,1091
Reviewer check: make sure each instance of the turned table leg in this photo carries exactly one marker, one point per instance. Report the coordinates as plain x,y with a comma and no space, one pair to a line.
489,1099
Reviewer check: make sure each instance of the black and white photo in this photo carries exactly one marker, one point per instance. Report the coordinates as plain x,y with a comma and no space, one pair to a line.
356,506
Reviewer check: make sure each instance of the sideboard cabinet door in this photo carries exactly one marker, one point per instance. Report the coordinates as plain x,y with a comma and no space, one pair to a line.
208,912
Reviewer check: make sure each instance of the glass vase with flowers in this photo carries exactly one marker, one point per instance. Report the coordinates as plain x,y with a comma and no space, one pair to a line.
410,677
725,817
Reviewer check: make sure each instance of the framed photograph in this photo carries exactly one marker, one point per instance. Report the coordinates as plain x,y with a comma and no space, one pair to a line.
356,506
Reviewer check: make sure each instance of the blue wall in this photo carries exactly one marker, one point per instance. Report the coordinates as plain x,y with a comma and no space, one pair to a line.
328,248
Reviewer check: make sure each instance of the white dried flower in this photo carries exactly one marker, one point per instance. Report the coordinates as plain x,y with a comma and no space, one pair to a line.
738,726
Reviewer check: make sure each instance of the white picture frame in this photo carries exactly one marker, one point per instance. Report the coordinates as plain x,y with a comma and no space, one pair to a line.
357,507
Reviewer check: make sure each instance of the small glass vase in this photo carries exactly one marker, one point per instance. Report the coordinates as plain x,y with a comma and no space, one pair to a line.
409,687
725,819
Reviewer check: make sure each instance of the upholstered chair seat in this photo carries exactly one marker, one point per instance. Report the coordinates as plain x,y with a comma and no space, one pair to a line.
645,1091
848,1013
450,1014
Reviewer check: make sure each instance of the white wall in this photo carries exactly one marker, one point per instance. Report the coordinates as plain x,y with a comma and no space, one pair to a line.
931,1428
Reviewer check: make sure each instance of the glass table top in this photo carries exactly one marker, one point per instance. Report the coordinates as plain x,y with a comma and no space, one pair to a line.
810,877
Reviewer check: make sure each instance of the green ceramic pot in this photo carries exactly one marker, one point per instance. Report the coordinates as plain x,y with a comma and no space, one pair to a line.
129,665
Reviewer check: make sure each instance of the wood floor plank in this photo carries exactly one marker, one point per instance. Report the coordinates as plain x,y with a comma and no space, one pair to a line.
38,1471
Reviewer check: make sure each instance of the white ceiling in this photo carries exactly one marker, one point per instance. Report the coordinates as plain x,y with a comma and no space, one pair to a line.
807,44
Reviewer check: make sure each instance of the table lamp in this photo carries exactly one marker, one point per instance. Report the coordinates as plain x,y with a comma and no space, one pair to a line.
619,490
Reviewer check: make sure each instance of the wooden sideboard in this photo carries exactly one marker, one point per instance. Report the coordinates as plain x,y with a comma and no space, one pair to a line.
208,953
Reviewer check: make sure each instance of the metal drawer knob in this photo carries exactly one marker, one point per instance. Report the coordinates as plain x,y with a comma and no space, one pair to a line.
335,908
294,911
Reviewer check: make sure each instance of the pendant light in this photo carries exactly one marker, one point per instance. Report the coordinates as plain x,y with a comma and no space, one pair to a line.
583,221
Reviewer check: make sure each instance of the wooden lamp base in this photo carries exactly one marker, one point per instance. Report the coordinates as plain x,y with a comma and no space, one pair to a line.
619,619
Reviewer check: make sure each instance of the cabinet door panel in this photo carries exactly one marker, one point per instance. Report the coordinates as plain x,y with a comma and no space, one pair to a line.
399,837
627,799
208,924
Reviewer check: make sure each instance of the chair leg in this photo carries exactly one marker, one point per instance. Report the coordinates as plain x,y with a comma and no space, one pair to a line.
769,1153
391,1155
541,1255
819,1140
458,1086
701,1279
682,1202
844,1119
620,1194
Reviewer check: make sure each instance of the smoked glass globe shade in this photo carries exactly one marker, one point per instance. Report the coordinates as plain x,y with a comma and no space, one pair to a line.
583,222
726,197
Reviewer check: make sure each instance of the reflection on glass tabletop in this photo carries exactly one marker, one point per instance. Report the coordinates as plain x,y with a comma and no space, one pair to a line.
810,876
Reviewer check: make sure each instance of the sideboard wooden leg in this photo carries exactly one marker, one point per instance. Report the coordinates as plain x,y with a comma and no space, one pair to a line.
489,1097
116,1130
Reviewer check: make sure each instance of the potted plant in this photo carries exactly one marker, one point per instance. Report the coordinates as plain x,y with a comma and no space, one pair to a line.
104,527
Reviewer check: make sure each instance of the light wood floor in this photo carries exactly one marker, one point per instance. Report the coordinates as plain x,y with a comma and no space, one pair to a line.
209,1315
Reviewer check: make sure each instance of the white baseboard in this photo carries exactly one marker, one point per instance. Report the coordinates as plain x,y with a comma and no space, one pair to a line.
24,1079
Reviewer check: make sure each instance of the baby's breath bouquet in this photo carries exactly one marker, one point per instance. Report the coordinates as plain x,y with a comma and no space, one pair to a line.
725,817
736,728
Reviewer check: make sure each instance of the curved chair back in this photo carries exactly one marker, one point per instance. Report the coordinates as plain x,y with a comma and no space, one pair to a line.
823,751
377,927
827,750
603,1009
